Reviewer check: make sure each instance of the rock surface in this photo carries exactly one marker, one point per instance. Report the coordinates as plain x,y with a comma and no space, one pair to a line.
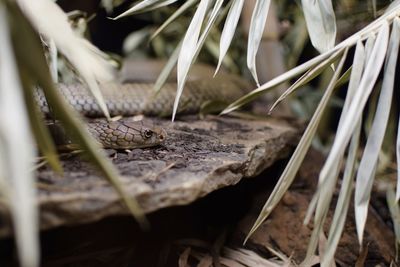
199,156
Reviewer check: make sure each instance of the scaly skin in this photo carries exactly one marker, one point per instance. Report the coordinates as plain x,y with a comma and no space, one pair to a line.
126,135
138,98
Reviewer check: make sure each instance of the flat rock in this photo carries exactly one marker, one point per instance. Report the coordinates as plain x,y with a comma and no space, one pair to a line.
199,156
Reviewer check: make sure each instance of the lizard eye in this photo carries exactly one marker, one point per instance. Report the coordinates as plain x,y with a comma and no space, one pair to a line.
148,133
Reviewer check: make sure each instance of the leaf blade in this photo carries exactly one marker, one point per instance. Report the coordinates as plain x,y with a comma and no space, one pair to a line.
257,25
317,13
294,163
228,32
17,143
369,159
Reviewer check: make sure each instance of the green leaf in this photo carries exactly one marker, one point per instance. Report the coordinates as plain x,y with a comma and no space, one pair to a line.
344,78
39,129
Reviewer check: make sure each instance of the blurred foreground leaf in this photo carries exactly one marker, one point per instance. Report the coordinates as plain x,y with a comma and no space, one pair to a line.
32,63
17,150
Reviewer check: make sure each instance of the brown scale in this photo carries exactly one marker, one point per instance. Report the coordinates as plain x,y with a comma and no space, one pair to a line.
126,135
138,98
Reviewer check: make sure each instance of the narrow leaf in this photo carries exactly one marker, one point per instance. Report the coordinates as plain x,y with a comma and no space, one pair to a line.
344,78
322,212
229,30
168,68
144,5
321,23
343,203
83,56
308,76
278,80
358,68
361,35
366,85
17,143
187,56
187,51
39,129
329,171
257,25
295,161
394,212
181,10
32,60
369,160
325,190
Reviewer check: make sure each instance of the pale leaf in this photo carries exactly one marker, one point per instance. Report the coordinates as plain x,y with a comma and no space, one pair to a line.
307,77
321,23
182,9
144,5
192,40
358,68
365,87
369,160
343,203
295,161
278,80
228,32
83,56
363,34
257,24
347,184
17,143
321,213
329,171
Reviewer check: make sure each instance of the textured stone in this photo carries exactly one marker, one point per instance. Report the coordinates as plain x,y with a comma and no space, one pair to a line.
198,157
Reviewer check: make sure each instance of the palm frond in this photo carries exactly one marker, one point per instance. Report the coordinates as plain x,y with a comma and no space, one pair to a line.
228,32
144,6
182,9
293,165
257,24
24,66
366,173
317,13
17,152
83,56
192,44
